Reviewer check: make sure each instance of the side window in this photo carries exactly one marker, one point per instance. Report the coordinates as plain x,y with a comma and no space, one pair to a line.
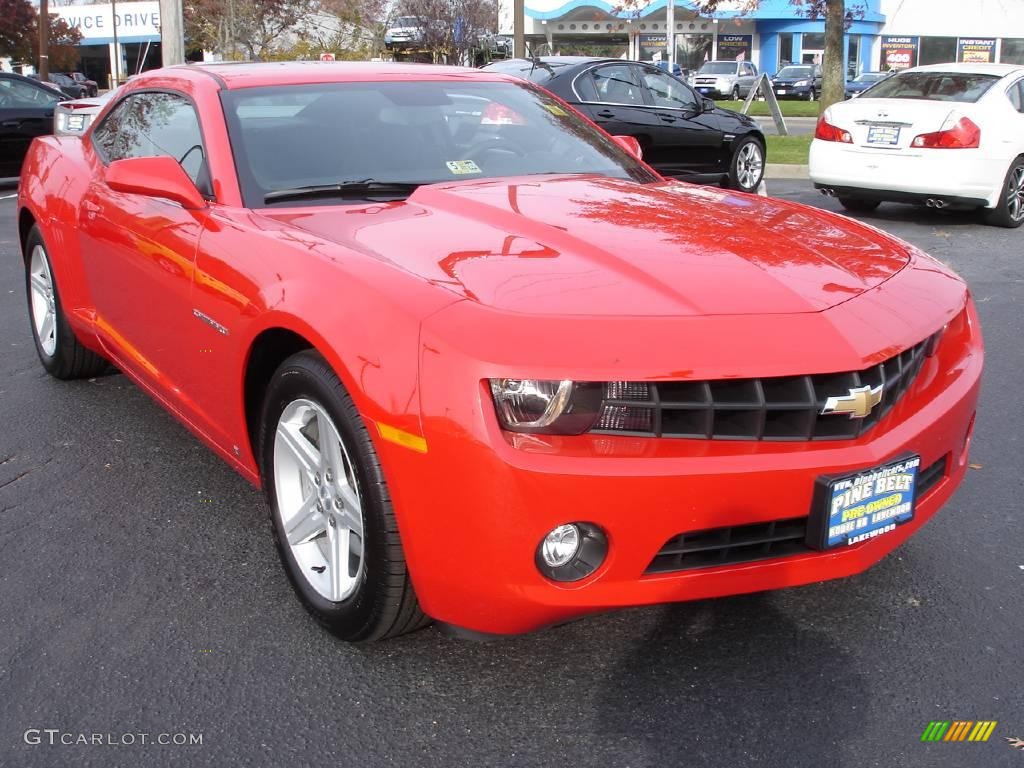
14,93
153,125
1015,94
748,69
617,84
585,88
669,92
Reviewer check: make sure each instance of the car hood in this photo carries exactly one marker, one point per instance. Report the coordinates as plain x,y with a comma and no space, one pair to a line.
572,245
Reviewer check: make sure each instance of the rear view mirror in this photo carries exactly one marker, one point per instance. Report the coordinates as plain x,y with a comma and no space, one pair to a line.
631,145
155,177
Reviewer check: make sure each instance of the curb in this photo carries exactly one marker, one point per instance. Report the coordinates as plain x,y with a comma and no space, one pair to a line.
783,171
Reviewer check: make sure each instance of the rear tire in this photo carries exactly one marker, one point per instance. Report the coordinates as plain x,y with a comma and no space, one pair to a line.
1009,211
330,506
59,350
746,168
857,205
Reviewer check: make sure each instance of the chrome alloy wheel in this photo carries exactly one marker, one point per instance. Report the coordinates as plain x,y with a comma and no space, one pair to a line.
749,165
1015,194
43,304
319,505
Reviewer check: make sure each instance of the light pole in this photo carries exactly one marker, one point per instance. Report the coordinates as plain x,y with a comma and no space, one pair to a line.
44,40
117,46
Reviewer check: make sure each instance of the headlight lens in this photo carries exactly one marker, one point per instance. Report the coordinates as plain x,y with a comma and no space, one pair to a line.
800,82
561,407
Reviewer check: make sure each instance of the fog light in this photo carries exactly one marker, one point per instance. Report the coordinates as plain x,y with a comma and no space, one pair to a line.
560,546
571,551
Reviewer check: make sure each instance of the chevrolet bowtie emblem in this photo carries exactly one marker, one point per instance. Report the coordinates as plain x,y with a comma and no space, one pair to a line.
858,403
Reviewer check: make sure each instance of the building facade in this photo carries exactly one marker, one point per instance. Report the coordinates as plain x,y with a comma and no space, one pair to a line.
884,34
137,47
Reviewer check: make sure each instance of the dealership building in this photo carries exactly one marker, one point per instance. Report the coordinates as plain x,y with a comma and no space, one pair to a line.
136,26
884,34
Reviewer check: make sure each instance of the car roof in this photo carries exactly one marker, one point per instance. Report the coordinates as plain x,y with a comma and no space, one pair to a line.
999,70
259,74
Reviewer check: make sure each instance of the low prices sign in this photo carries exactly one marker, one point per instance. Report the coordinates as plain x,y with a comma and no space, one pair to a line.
735,47
899,52
976,50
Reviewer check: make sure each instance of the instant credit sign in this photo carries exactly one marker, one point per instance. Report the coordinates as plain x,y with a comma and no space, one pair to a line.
899,52
735,47
976,50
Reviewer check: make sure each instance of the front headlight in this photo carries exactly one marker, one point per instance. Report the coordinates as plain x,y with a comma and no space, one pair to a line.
569,407
801,82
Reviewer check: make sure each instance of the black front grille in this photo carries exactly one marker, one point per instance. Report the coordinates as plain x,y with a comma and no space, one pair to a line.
726,546
781,408
712,547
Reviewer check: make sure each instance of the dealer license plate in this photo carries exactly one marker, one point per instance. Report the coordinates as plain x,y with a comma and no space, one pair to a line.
855,508
884,134
781,91
704,90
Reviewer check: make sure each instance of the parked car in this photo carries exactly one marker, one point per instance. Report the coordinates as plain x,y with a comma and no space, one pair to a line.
72,118
26,111
681,133
725,79
488,367
92,88
404,32
48,84
798,81
863,81
70,88
943,135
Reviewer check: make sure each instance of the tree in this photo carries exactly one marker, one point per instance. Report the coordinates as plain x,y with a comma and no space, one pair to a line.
17,29
837,17
19,36
452,29
243,29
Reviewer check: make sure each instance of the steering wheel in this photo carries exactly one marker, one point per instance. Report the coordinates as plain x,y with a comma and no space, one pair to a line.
503,146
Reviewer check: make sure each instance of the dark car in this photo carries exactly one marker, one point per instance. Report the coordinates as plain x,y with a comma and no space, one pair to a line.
798,81
863,81
681,133
92,88
26,111
68,86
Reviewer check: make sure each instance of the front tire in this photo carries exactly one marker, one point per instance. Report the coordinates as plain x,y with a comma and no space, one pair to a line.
59,350
858,205
811,95
736,93
1009,210
746,168
333,522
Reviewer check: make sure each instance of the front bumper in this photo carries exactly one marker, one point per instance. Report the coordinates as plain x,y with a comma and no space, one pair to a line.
473,508
792,91
966,176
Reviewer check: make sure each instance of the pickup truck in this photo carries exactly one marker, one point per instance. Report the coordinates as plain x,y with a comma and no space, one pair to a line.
725,79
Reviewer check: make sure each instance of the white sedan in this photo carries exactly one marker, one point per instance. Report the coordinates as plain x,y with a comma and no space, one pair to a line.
943,135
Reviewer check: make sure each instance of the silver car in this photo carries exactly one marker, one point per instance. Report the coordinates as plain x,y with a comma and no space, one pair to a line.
71,118
725,79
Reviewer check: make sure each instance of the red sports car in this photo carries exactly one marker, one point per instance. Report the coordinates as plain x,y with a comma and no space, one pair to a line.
488,366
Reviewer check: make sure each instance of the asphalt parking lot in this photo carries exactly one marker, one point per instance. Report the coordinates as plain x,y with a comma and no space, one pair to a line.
141,593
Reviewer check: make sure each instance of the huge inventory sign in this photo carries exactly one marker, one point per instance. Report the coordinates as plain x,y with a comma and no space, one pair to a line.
735,47
899,52
976,50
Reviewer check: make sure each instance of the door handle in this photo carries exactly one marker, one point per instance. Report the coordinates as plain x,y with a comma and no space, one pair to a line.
606,113
667,118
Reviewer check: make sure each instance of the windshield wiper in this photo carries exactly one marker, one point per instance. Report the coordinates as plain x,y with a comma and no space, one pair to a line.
364,188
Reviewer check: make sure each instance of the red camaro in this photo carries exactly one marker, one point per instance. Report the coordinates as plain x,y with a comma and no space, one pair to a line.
488,366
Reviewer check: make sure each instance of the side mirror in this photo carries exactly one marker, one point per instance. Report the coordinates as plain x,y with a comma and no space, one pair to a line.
631,145
707,105
155,177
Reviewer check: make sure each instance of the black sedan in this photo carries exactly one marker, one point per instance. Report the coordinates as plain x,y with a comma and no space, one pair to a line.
682,134
26,111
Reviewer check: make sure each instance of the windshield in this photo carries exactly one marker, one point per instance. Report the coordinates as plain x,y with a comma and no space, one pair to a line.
406,21
869,77
718,68
934,86
292,136
794,72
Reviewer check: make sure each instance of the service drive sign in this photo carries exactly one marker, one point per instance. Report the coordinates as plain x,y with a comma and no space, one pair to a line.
898,52
326,57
